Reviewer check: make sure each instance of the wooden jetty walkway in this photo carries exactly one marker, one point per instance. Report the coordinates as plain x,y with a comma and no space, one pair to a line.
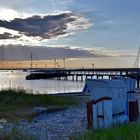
81,74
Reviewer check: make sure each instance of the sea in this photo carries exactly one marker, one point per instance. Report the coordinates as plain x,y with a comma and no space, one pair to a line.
15,79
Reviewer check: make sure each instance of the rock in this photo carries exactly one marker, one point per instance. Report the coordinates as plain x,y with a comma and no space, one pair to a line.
1,126
3,121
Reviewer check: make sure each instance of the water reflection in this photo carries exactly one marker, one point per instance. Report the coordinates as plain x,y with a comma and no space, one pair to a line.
16,79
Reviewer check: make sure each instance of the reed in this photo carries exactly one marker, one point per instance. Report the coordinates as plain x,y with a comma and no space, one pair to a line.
15,134
130,131
17,103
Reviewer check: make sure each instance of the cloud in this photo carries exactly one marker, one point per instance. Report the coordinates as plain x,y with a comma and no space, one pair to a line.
19,52
11,14
113,52
8,36
61,2
23,52
49,26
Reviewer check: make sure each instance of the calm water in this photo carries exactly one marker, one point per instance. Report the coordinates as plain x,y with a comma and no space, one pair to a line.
16,79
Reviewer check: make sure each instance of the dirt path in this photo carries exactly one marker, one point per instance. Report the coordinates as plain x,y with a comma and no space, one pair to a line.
58,125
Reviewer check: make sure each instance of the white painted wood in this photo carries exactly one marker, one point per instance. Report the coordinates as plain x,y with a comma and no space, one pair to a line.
104,109
108,120
95,120
100,113
117,90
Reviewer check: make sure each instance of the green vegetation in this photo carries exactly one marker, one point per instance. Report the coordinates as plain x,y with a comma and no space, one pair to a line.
16,104
15,134
130,131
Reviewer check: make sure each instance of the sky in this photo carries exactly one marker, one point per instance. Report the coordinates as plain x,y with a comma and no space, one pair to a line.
104,32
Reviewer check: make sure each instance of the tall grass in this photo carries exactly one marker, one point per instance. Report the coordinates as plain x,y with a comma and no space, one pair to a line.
15,104
130,131
15,134
21,97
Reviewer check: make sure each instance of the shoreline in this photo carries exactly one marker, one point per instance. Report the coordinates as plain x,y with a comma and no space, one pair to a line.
58,124
68,94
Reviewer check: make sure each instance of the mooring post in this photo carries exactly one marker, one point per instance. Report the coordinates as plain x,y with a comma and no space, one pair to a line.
72,77
81,77
138,83
76,77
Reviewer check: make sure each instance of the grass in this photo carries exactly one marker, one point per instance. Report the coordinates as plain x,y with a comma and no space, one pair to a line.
15,134
16,104
130,131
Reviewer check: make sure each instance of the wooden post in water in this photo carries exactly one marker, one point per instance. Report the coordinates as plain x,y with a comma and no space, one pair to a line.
73,78
76,77
81,78
138,82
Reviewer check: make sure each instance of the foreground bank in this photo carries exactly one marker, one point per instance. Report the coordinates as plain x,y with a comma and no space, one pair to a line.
41,117
33,117
16,104
128,131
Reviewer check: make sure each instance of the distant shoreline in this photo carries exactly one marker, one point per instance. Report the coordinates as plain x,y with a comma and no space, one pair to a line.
68,93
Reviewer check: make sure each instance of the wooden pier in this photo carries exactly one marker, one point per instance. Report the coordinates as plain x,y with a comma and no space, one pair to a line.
82,74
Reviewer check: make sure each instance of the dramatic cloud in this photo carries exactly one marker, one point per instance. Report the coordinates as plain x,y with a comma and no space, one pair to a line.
113,52
23,52
47,27
8,36
19,52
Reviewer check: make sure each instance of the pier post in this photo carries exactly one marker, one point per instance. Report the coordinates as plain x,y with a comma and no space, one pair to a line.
65,78
81,77
76,78
138,82
73,78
